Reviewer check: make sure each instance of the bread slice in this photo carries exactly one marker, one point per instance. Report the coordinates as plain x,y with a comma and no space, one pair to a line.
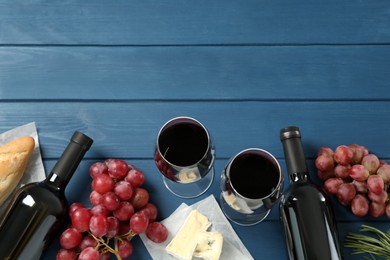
14,157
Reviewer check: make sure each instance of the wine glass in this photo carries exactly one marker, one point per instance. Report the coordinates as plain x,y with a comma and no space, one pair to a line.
185,155
251,183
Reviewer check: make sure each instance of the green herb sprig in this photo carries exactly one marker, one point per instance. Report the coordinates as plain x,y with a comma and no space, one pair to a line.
378,246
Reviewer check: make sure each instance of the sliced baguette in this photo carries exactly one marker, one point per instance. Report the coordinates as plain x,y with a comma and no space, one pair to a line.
14,157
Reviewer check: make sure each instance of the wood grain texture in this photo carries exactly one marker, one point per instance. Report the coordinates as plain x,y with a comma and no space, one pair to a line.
129,129
119,70
200,22
195,73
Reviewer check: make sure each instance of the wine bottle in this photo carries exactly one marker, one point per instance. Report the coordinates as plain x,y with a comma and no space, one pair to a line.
39,209
309,225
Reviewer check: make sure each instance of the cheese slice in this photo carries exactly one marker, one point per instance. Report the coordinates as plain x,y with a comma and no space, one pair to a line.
184,243
189,175
209,245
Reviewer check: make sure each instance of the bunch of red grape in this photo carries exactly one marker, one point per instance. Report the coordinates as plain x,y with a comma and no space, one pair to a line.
357,178
120,210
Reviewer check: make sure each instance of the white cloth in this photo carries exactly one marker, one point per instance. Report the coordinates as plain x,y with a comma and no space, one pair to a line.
232,248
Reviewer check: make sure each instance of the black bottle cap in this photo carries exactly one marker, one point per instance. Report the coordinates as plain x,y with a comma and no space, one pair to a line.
289,132
82,139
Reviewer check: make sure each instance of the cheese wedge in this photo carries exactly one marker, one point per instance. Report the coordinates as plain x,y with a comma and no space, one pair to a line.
184,243
189,175
209,246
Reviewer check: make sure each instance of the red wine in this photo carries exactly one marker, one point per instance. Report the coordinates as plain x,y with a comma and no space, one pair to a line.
38,210
253,175
309,224
183,143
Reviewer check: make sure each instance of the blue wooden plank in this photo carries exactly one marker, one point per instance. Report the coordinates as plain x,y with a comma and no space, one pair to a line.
195,73
199,22
129,129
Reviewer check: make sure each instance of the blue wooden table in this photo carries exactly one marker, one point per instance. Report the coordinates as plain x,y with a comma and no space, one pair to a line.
117,70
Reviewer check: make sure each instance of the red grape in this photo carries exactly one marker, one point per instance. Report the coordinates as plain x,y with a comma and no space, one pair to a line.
139,222
87,241
358,172
89,253
384,172
123,190
98,168
74,206
110,201
377,209
378,197
358,153
66,254
375,184
360,186
157,232
70,238
100,209
80,219
324,163
325,151
140,198
150,211
125,248
95,198
342,171
331,185
371,163
98,225
124,211
106,162
135,177
343,155
103,183
359,205
117,168
113,226
345,193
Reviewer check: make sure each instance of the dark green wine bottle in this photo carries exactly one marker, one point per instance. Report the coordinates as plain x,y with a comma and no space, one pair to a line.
38,210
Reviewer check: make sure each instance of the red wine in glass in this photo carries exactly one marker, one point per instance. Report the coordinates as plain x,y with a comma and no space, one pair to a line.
251,184
185,154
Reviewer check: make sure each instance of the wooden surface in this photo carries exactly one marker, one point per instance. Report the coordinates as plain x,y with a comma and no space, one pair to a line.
119,70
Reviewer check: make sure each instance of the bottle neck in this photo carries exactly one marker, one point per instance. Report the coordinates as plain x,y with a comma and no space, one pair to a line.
298,177
65,167
295,157
56,181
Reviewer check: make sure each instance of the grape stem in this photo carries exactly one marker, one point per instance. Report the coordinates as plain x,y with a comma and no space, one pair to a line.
106,246
129,235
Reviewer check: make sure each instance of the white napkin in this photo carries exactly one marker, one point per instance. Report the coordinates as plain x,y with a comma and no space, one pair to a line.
232,248
35,171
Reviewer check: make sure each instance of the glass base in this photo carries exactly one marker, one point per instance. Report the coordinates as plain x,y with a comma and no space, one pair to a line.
242,219
190,190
